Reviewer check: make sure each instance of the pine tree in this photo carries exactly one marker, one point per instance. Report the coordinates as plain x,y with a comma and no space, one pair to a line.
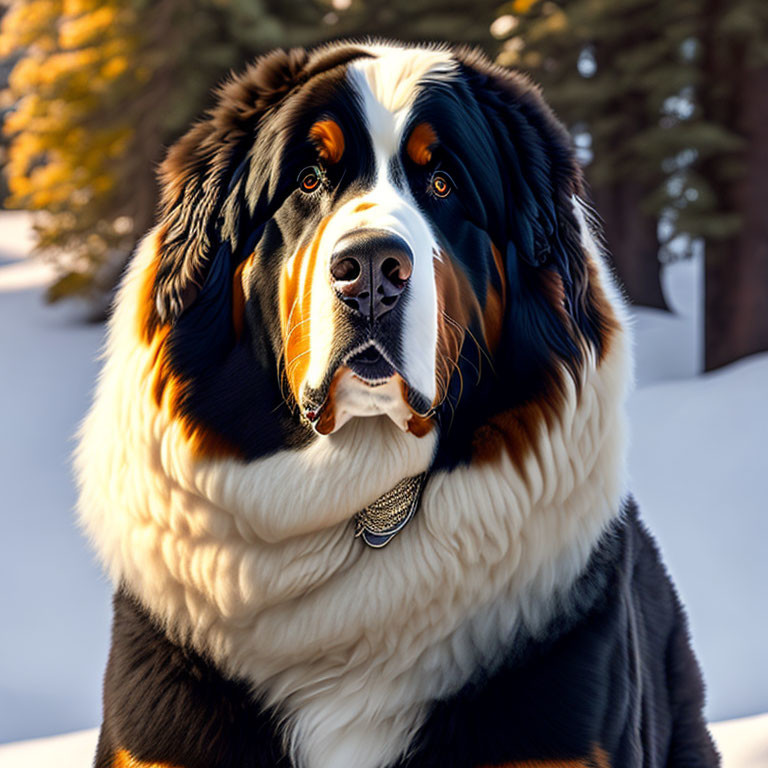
733,102
674,97
620,75
66,140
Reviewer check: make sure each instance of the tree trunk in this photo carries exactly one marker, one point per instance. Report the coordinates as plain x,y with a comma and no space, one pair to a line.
632,241
736,269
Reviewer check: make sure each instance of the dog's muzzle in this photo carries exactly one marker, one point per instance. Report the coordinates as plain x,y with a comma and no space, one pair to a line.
369,273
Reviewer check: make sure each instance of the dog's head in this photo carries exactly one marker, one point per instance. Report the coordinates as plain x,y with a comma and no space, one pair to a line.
368,230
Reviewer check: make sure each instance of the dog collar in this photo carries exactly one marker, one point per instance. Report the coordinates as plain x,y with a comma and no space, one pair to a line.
378,523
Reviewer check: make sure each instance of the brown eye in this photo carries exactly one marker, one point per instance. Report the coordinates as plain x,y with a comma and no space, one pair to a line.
310,178
441,184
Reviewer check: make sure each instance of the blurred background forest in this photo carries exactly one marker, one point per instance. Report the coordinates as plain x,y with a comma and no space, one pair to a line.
667,103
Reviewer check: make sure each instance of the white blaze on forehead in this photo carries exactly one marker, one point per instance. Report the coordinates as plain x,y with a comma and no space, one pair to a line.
388,86
395,74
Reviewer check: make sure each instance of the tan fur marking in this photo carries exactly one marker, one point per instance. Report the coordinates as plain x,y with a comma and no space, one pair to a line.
419,424
146,315
493,318
327,421
598,759
495,305
516,431
124,759
238,297
363,207
499,262
329,138
552,287
419,147
457,305
295,311
167,387
169,390
608,323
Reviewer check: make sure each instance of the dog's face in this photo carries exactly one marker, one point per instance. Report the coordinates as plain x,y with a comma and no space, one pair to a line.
368,231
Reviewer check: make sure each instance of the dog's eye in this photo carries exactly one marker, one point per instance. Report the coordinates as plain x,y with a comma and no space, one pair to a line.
310,178
441,184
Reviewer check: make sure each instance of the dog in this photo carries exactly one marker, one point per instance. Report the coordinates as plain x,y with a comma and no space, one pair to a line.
356,462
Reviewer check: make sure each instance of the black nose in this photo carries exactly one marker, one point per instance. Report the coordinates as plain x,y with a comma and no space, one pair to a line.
370,269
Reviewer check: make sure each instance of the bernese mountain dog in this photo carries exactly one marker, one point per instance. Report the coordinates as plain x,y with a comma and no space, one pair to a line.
356,462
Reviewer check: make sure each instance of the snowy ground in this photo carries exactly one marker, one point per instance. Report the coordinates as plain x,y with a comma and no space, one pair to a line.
53,648
699,470
698,462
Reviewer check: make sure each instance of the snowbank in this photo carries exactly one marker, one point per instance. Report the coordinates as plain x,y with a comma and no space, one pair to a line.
669,345
72,750
742,743
699,468
53,649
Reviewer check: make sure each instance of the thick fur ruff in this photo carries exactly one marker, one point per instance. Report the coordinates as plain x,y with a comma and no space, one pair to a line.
222,463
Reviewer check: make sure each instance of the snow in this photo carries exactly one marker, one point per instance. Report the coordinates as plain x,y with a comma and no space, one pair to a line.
72,750
698,463
670,345
699,470
53,649
742,743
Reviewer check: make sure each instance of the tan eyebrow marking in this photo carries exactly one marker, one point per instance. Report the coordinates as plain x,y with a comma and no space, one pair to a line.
328,136
420,143
124,759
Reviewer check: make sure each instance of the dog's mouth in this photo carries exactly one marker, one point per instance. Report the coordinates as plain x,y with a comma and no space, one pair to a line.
371,366
366,382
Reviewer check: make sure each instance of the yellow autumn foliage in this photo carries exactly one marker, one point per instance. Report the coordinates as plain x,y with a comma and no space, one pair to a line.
68,133
523,6
87,28
77,7
30,24
113,68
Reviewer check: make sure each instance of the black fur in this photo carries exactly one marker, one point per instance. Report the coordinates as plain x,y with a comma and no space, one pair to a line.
614,670
165,703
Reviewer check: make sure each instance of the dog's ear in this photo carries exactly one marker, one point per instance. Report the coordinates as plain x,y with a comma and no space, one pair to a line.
538,225
202,180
